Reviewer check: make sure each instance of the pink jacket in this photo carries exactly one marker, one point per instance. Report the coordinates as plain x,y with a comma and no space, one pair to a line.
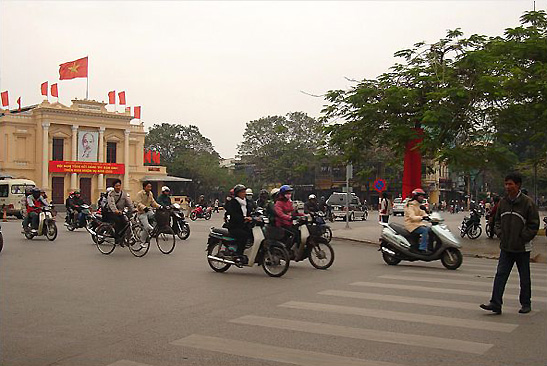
283,213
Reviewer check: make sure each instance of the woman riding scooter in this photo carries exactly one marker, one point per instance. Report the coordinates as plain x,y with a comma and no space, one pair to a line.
414,214
284,213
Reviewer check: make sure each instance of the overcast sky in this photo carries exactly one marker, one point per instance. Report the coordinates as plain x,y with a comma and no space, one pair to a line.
219,65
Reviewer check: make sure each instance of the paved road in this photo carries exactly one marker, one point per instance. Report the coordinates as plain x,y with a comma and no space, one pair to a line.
64,303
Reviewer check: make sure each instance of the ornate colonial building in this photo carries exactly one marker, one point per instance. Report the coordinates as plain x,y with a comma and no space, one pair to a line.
83,146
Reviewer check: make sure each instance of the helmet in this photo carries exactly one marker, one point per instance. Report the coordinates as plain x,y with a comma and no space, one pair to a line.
76,192
274,192
35,192
263,192
109,189
238,188
418,192
249,191
285,188
165,188
312,197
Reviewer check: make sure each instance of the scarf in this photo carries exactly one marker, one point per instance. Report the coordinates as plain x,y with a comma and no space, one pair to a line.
243,203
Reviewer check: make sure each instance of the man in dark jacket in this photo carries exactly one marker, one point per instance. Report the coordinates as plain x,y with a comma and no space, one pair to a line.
238,211
516,224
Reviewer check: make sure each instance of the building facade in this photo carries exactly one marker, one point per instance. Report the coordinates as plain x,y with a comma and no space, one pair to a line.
83,147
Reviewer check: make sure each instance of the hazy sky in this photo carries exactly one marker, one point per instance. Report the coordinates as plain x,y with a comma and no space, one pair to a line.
219,65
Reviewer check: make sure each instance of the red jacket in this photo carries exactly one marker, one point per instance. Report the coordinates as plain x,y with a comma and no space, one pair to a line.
284,212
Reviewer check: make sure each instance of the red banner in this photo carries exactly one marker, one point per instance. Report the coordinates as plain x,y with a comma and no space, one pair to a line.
412,173
85,167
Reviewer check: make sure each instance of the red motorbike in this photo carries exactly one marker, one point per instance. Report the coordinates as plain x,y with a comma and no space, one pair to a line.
201,213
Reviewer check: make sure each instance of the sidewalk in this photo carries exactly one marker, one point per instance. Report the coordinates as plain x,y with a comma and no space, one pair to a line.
368,232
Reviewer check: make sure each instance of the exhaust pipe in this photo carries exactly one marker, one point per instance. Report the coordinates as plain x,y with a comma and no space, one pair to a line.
212,257
388,251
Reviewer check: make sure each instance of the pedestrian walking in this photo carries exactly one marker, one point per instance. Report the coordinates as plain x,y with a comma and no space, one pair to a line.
516,224
384,208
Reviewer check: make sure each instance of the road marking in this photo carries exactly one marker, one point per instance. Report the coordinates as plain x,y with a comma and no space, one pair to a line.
374,335
409,300
477,276
437,290
408,317
493,267
272,353
456,282
127,363
493,271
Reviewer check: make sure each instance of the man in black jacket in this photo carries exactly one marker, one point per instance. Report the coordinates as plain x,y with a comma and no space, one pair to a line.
239,211
516,224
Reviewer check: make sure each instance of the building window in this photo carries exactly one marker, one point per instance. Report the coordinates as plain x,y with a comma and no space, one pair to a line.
111,152
58,149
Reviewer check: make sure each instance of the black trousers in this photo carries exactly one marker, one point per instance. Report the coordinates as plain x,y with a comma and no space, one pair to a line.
505,265
242,236
118,221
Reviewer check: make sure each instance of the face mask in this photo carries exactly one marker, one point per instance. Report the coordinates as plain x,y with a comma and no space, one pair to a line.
288,196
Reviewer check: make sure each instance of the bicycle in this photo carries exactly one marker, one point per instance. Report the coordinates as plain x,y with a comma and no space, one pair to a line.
162,232
130,237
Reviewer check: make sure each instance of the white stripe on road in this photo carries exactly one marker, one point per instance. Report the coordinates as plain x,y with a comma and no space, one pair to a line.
374,335
409,300
533,274
271,353
127,363
534,269
439,273
457,282
407,317
436,290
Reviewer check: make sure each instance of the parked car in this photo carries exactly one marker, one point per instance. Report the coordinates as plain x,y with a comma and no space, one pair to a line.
11,193
337,202
399,206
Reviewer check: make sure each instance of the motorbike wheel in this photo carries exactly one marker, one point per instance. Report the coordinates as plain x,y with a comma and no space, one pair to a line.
321,254
214,250
105,239
51,231
275,261
184,232
474,232
193,216
207,216
489,231
166,241
390,260
452,258
70,227
327,234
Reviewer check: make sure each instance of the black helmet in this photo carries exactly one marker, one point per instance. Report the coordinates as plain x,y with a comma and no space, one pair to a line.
238,188
35,192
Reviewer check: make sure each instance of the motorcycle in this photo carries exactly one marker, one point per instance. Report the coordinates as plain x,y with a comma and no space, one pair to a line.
489,228
398,244
178,223
1,239
270,254
201,213
94,220
46,225
72,223
471,226
309,243
545,224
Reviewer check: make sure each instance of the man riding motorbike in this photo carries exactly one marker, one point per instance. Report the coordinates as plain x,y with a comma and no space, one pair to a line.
35,202
263,199
74,208
311,206
163,198
238,211
414,214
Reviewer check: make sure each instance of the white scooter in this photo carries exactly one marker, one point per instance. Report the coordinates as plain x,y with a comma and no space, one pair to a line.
398,244
46,225
270,254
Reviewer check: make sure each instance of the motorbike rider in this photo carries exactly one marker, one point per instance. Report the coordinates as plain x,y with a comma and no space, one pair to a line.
238,211
311,206
145,201
102,203
285,212
163,198
249,197
74,206
35,202
263,199
117,201
414,214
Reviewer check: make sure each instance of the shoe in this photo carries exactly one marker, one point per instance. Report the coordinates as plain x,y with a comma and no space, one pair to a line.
491,307
525,309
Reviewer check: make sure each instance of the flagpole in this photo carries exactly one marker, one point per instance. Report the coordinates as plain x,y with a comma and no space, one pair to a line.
87,78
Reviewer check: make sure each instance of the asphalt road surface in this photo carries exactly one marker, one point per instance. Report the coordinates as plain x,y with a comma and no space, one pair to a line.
64,303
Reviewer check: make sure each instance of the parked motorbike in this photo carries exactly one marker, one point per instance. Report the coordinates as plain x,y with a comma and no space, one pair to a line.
46,225
200,213
309,243
398,244
471,226
73,223
178,222
270,254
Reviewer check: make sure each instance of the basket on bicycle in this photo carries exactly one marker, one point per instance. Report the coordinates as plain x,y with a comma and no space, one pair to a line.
162,217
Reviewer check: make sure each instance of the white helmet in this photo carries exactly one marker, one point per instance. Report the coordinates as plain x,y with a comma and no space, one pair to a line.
249,191
165,188
274,192
312,197
109,189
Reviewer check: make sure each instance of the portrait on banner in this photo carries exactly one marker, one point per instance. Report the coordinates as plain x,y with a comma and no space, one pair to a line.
88,145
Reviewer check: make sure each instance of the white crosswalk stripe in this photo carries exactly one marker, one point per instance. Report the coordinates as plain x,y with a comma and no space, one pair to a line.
127,363
493,271
438,273
535,269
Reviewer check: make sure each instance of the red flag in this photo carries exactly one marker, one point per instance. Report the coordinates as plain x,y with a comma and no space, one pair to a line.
137,112
44,88
54,90
112,97
73,69
147,156
127,109
122,97
156,157
5,99
19,102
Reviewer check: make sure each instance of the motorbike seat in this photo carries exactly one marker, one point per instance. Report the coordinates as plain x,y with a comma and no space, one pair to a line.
400,229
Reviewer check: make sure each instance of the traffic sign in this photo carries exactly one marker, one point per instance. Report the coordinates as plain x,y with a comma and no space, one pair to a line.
380,185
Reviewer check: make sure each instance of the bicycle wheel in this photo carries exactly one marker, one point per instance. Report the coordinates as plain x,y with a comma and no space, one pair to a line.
105,239
136,246
166,240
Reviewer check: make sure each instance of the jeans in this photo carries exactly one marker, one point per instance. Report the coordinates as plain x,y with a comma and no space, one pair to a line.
423,231
384,218
505,265
34,219
145,219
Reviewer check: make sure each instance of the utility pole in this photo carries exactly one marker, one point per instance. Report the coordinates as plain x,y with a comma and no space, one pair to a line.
349,175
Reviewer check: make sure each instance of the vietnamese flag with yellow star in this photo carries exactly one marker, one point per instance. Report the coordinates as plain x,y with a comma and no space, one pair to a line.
73,69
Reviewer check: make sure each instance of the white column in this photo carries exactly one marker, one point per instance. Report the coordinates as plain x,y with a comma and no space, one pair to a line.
74,176
126,160
100,179
45,155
